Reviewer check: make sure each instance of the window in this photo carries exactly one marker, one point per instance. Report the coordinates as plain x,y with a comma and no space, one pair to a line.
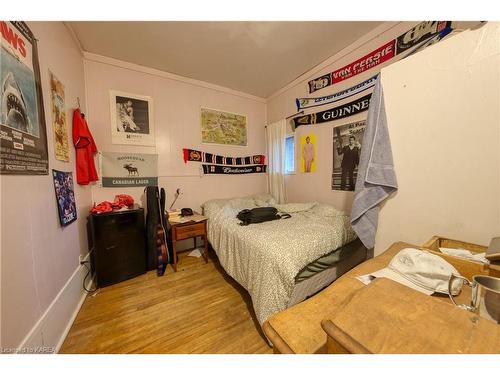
290,154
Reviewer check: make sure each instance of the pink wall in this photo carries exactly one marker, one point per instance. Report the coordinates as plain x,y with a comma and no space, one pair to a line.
177,103
303,187
37,255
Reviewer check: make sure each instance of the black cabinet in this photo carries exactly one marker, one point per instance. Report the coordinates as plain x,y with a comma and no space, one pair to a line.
119,245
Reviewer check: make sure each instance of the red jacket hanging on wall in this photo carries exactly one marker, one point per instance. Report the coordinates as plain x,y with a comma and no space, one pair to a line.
85,149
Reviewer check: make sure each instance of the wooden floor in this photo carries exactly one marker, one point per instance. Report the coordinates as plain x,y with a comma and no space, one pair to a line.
199,309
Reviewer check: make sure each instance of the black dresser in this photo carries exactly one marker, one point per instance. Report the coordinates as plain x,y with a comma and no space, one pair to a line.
119,245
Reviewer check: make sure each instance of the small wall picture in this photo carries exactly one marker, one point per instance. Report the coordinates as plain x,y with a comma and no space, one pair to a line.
65,196
347,140
59,126
131,119
308,153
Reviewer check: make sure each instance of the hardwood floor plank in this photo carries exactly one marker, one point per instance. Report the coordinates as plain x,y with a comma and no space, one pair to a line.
198,309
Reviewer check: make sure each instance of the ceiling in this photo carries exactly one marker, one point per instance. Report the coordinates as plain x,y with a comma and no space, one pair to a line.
257,58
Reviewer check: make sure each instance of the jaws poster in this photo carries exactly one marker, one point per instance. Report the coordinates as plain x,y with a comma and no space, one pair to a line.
22,120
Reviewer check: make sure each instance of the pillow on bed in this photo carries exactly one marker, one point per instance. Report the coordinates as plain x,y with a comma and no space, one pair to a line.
325,210
214,205
263,200
290,208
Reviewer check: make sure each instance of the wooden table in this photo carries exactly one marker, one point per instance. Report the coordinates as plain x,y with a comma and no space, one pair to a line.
298,328
191,229
386,317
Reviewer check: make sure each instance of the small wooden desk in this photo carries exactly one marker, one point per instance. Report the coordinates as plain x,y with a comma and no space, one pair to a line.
191,229
385,317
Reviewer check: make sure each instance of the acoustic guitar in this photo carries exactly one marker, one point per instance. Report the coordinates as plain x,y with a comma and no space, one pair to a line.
161,235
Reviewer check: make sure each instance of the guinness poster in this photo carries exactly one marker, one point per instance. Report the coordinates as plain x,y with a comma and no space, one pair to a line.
128,170
22,119
335,113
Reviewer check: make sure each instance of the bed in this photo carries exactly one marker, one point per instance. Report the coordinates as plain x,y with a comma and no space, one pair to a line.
282,262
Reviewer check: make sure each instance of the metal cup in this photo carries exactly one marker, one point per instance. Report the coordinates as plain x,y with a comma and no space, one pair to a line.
485,296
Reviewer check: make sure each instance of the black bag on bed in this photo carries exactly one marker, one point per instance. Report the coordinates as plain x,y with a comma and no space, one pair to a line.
260,215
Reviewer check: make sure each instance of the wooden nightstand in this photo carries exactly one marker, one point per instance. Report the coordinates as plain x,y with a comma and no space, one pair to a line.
190,229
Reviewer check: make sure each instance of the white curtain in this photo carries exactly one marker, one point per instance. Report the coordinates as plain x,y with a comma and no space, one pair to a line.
276,134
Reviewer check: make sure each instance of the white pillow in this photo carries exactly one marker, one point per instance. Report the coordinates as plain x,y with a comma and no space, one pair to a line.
263,200
325,210
295,207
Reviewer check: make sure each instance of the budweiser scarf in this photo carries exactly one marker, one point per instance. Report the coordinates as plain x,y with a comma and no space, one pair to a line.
384,53
335,113
205,157
219,169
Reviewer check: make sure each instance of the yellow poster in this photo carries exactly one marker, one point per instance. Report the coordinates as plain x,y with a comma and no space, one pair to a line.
308,153
61,145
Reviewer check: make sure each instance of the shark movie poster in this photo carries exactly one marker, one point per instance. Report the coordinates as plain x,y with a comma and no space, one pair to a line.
22,121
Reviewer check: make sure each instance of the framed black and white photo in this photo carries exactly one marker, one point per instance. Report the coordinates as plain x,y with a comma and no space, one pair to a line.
131,119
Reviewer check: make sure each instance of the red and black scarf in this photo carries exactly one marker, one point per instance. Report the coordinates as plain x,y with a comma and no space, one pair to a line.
205,157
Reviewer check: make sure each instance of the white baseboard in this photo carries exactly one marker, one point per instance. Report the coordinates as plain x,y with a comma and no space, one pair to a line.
51,329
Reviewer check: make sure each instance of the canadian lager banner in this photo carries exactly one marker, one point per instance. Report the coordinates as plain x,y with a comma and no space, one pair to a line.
383,53
126,170
220,169
335,113
205,157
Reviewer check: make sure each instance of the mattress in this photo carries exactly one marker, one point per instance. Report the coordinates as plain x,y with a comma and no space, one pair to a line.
330,260
317,277
265,258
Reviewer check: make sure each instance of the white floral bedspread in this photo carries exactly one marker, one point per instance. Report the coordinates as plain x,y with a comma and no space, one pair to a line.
265,258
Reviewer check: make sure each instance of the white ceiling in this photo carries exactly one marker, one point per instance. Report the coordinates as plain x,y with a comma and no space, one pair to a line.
257,58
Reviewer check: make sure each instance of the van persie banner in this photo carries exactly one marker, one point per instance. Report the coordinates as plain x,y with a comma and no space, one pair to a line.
314,102
370,82
22,119
205,157
220,169
335,113
126,170
378,56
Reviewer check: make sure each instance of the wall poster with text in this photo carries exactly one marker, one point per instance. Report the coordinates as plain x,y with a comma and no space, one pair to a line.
347,143
132,120
22,120
128,170
59,125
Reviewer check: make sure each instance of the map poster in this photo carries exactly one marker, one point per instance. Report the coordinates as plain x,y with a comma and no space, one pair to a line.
59,126
223,128
22,121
